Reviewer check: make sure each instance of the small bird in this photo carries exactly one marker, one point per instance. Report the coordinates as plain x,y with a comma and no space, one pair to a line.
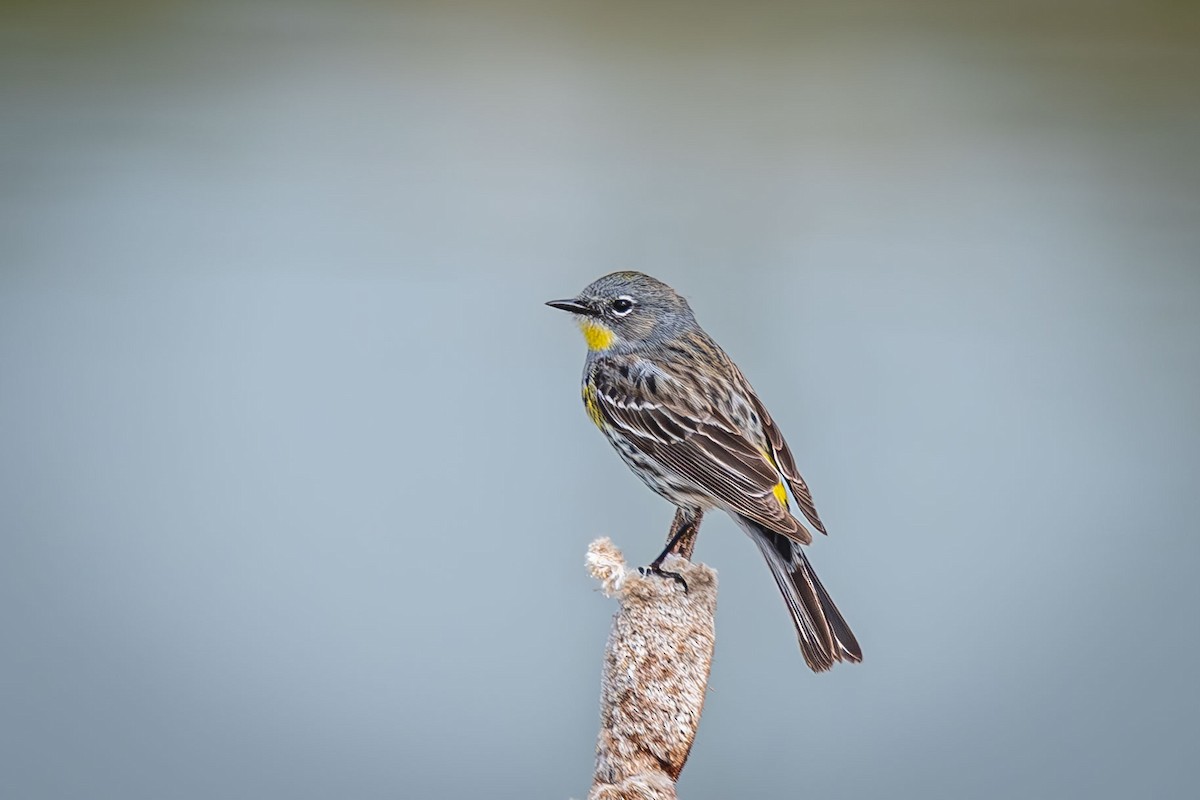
687,422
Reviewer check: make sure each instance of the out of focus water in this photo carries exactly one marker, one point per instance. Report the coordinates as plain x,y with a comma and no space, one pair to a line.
295,486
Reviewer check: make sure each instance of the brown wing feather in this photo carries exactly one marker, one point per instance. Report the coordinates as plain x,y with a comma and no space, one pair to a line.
783,459
686,433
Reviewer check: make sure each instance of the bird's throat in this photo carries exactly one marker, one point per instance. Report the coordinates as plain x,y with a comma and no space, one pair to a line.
597,335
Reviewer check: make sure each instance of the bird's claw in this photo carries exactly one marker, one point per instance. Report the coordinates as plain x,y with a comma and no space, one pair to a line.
655,569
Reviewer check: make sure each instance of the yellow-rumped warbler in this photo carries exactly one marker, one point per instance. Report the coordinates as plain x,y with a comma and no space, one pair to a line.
687,422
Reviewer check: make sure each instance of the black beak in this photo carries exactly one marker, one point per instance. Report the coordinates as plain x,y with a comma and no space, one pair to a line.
574,306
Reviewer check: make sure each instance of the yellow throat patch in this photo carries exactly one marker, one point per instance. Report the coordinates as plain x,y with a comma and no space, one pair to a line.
598,335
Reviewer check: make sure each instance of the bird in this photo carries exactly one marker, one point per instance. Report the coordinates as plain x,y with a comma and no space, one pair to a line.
686,421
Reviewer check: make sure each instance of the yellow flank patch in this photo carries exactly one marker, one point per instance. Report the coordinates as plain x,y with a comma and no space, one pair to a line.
598,335
779,491
592,405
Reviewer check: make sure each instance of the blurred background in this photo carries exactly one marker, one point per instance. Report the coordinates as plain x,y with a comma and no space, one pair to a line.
295,483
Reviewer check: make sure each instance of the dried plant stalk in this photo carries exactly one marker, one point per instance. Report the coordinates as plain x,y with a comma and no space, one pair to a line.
656,667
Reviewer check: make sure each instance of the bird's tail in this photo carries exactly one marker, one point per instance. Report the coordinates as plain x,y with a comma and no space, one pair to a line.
825,638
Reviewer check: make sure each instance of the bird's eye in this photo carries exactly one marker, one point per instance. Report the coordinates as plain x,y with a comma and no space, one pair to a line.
622,305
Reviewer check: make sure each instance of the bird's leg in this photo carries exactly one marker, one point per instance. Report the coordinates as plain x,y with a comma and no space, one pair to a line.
681,541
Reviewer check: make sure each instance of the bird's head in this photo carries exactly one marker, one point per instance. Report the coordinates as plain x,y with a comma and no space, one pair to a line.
627,310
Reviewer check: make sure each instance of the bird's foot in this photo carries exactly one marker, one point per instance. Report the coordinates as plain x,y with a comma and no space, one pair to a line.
656,569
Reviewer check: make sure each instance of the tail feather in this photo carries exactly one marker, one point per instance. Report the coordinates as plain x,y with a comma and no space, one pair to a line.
825,638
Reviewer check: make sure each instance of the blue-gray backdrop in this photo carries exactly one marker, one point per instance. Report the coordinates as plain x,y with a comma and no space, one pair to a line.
295,484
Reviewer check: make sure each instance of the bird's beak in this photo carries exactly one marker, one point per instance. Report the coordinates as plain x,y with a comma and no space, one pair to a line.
574,306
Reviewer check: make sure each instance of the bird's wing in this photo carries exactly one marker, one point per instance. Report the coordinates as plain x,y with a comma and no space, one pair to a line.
782,455
670,419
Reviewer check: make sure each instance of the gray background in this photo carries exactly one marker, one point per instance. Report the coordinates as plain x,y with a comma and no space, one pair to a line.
295,483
